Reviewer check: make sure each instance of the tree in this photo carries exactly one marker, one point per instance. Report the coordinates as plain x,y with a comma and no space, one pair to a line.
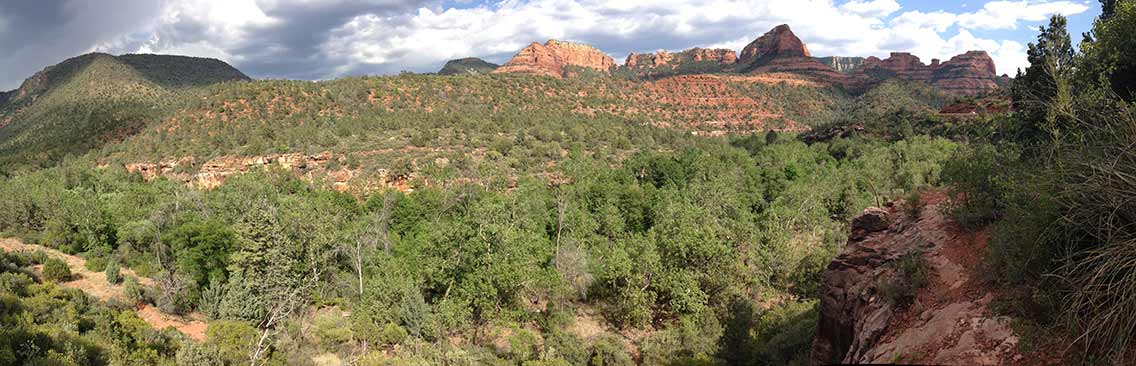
274,271
372,232
1110,50
1041,93
113,273
737,342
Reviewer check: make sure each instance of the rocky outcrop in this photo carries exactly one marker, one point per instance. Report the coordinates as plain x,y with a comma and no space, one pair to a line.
719,55
780,50
947,321
468,65
971,73
690,61
779,42
841,64
554,57
656,59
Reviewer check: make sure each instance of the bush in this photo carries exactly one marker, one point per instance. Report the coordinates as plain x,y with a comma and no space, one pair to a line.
978,180
193,354
609,351
913,204
113,273
134,291
392,334
57,270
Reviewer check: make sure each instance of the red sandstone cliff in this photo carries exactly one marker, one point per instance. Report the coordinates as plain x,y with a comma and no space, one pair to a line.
780,50
969,74
551,58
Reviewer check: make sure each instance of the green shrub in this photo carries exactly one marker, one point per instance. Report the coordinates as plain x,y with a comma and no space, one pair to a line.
193,354
57,270
913,204
233,340
392,334
609,351
113,273
979,180
134,291
97,258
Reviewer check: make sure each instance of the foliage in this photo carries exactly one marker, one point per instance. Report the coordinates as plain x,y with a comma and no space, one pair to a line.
55,269
1058,193
113,273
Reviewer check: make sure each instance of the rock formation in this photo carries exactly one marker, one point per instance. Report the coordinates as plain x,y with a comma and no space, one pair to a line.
841,64
967,74
779,50
778,42
690,61
656,59
468,65
947,322
553,58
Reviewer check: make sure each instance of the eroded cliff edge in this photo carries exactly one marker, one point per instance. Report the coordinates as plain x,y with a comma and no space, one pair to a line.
905,290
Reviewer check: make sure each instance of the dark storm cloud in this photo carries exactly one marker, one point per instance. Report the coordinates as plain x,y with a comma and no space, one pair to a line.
38,33
290,47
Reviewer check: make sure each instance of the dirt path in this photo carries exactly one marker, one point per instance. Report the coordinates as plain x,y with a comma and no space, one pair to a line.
95,284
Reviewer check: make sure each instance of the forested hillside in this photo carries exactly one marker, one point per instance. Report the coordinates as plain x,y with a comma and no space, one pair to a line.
94,99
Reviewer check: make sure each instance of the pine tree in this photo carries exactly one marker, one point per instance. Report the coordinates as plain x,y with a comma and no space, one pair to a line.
1046,81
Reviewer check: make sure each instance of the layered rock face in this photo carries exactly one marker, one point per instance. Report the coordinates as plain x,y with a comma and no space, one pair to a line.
779,50
552,57
946,321
660,58
968,74
720,55
841,64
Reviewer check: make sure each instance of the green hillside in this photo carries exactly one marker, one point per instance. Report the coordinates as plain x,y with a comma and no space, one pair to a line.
87,101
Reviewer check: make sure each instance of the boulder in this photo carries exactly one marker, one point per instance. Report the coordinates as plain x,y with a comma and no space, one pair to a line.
872,220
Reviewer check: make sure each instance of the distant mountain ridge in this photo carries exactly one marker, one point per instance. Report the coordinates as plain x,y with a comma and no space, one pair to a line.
169,71
776,51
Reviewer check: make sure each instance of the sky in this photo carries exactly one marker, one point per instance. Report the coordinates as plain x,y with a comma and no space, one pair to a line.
326,39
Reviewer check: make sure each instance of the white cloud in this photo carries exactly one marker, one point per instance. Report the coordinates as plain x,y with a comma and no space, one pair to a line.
1007,14
872,8
331,38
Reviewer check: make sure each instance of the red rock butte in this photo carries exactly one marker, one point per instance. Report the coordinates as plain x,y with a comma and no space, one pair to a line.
778,42
552,57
